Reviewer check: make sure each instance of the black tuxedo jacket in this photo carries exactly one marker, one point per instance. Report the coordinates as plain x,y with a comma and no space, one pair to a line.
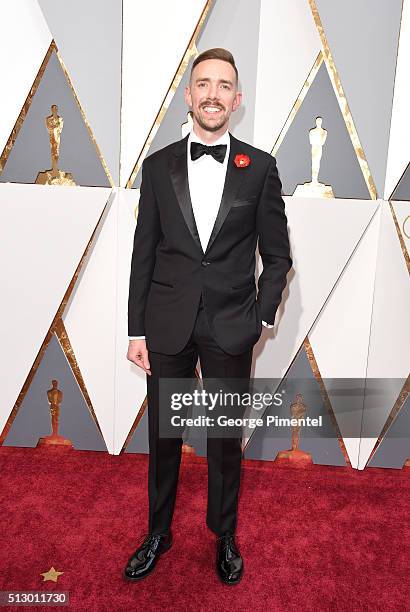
170,270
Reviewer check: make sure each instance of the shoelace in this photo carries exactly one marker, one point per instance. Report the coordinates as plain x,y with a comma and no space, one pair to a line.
226,541
150,540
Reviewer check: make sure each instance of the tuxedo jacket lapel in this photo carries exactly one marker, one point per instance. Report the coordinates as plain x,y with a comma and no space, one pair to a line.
178,169
233,179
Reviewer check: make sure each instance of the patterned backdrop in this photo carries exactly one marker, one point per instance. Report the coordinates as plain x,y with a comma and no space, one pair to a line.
91,88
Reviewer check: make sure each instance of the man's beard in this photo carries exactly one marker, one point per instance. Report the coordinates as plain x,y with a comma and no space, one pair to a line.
213,127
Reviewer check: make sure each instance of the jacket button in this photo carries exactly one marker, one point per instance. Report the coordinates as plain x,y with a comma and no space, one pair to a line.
204,262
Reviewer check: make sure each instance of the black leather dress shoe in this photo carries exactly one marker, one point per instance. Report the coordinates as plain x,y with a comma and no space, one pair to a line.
229,563
143,561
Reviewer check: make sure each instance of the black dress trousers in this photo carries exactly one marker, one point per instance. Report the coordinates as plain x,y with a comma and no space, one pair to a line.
223,454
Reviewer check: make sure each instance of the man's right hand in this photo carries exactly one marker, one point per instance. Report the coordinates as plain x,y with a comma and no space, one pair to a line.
138,354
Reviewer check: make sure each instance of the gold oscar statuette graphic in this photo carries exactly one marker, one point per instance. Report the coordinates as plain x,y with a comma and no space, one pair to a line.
315,189
55,397
298,411
54,176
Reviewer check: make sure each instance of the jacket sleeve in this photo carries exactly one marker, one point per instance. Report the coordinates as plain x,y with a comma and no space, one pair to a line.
146,238
273,242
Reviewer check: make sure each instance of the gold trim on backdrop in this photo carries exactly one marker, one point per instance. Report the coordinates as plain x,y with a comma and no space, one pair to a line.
341,98
398,405
62,337
299,101
191,50
316,372
26,106
401,239
55,325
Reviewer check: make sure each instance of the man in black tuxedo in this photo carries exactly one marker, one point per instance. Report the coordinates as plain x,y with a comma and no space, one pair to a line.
205,201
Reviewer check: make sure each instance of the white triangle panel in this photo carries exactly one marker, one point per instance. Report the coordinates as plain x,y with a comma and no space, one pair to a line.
340,335
44,233
323,234
90,320
155,38
97,323
24,40
131,387
288,47
389,348
389,352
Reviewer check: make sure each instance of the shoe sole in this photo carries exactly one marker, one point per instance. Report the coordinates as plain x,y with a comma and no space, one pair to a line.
130,579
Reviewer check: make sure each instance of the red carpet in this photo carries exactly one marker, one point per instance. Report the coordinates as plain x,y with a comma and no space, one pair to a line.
320,538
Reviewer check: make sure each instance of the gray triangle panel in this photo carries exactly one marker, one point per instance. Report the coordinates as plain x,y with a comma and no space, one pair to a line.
89,38
339,165
33,419
394,449
31,152
320,442
139,439
363,39
402,191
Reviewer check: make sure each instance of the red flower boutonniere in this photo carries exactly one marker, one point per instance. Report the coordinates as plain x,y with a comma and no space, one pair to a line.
241,160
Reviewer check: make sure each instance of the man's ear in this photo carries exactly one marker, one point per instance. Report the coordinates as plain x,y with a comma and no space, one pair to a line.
187,93
237,100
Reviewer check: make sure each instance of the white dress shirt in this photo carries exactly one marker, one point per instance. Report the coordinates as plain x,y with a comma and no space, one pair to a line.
206,178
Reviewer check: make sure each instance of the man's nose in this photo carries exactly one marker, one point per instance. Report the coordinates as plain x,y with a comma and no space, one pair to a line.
213,92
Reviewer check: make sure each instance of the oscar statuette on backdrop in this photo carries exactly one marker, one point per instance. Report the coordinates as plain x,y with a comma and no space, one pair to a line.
54,176
315,189
298,411
55,397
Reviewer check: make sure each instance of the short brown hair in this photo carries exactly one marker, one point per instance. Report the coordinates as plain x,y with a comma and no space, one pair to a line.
216,53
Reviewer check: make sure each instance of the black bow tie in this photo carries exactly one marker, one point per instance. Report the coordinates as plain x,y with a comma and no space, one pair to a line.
217,151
